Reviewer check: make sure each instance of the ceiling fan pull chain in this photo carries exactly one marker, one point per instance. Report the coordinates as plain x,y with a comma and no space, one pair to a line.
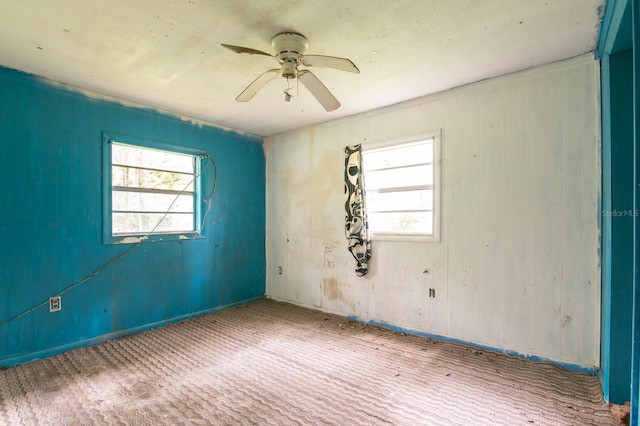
287,95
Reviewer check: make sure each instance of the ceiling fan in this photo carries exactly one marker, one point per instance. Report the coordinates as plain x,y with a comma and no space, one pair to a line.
290,51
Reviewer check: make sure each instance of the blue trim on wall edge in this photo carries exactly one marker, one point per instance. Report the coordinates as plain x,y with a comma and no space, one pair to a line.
611,19
605,227
571,367
20,359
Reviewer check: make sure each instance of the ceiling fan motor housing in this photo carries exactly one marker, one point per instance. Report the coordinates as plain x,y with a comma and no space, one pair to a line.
288,47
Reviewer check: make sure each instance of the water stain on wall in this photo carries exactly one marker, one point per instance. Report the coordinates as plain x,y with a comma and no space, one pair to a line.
330,288
332,291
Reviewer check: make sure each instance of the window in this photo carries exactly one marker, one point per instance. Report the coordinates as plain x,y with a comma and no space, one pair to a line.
152,191
402,182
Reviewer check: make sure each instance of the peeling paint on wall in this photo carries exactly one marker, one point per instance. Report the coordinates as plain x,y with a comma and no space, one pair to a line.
131,240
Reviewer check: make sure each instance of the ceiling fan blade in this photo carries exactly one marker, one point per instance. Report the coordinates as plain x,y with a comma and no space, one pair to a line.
343,64
240,49
256,85
318,90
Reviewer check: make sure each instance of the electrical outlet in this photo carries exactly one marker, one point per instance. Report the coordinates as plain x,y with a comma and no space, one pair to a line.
432,292
55,304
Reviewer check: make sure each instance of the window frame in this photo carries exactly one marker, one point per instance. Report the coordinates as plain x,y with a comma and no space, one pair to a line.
434,237
108,139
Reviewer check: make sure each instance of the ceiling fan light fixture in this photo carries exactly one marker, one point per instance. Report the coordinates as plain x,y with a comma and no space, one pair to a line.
289,69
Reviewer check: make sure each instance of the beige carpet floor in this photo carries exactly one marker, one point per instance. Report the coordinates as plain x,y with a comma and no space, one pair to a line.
272,363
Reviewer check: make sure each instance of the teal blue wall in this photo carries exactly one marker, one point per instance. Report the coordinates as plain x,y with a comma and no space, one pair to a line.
51,224
635,354
620,356
618,215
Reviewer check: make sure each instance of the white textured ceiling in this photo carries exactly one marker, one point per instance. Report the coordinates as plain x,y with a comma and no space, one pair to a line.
167,54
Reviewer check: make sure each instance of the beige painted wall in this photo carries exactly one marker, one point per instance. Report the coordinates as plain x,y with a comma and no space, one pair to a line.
517,266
